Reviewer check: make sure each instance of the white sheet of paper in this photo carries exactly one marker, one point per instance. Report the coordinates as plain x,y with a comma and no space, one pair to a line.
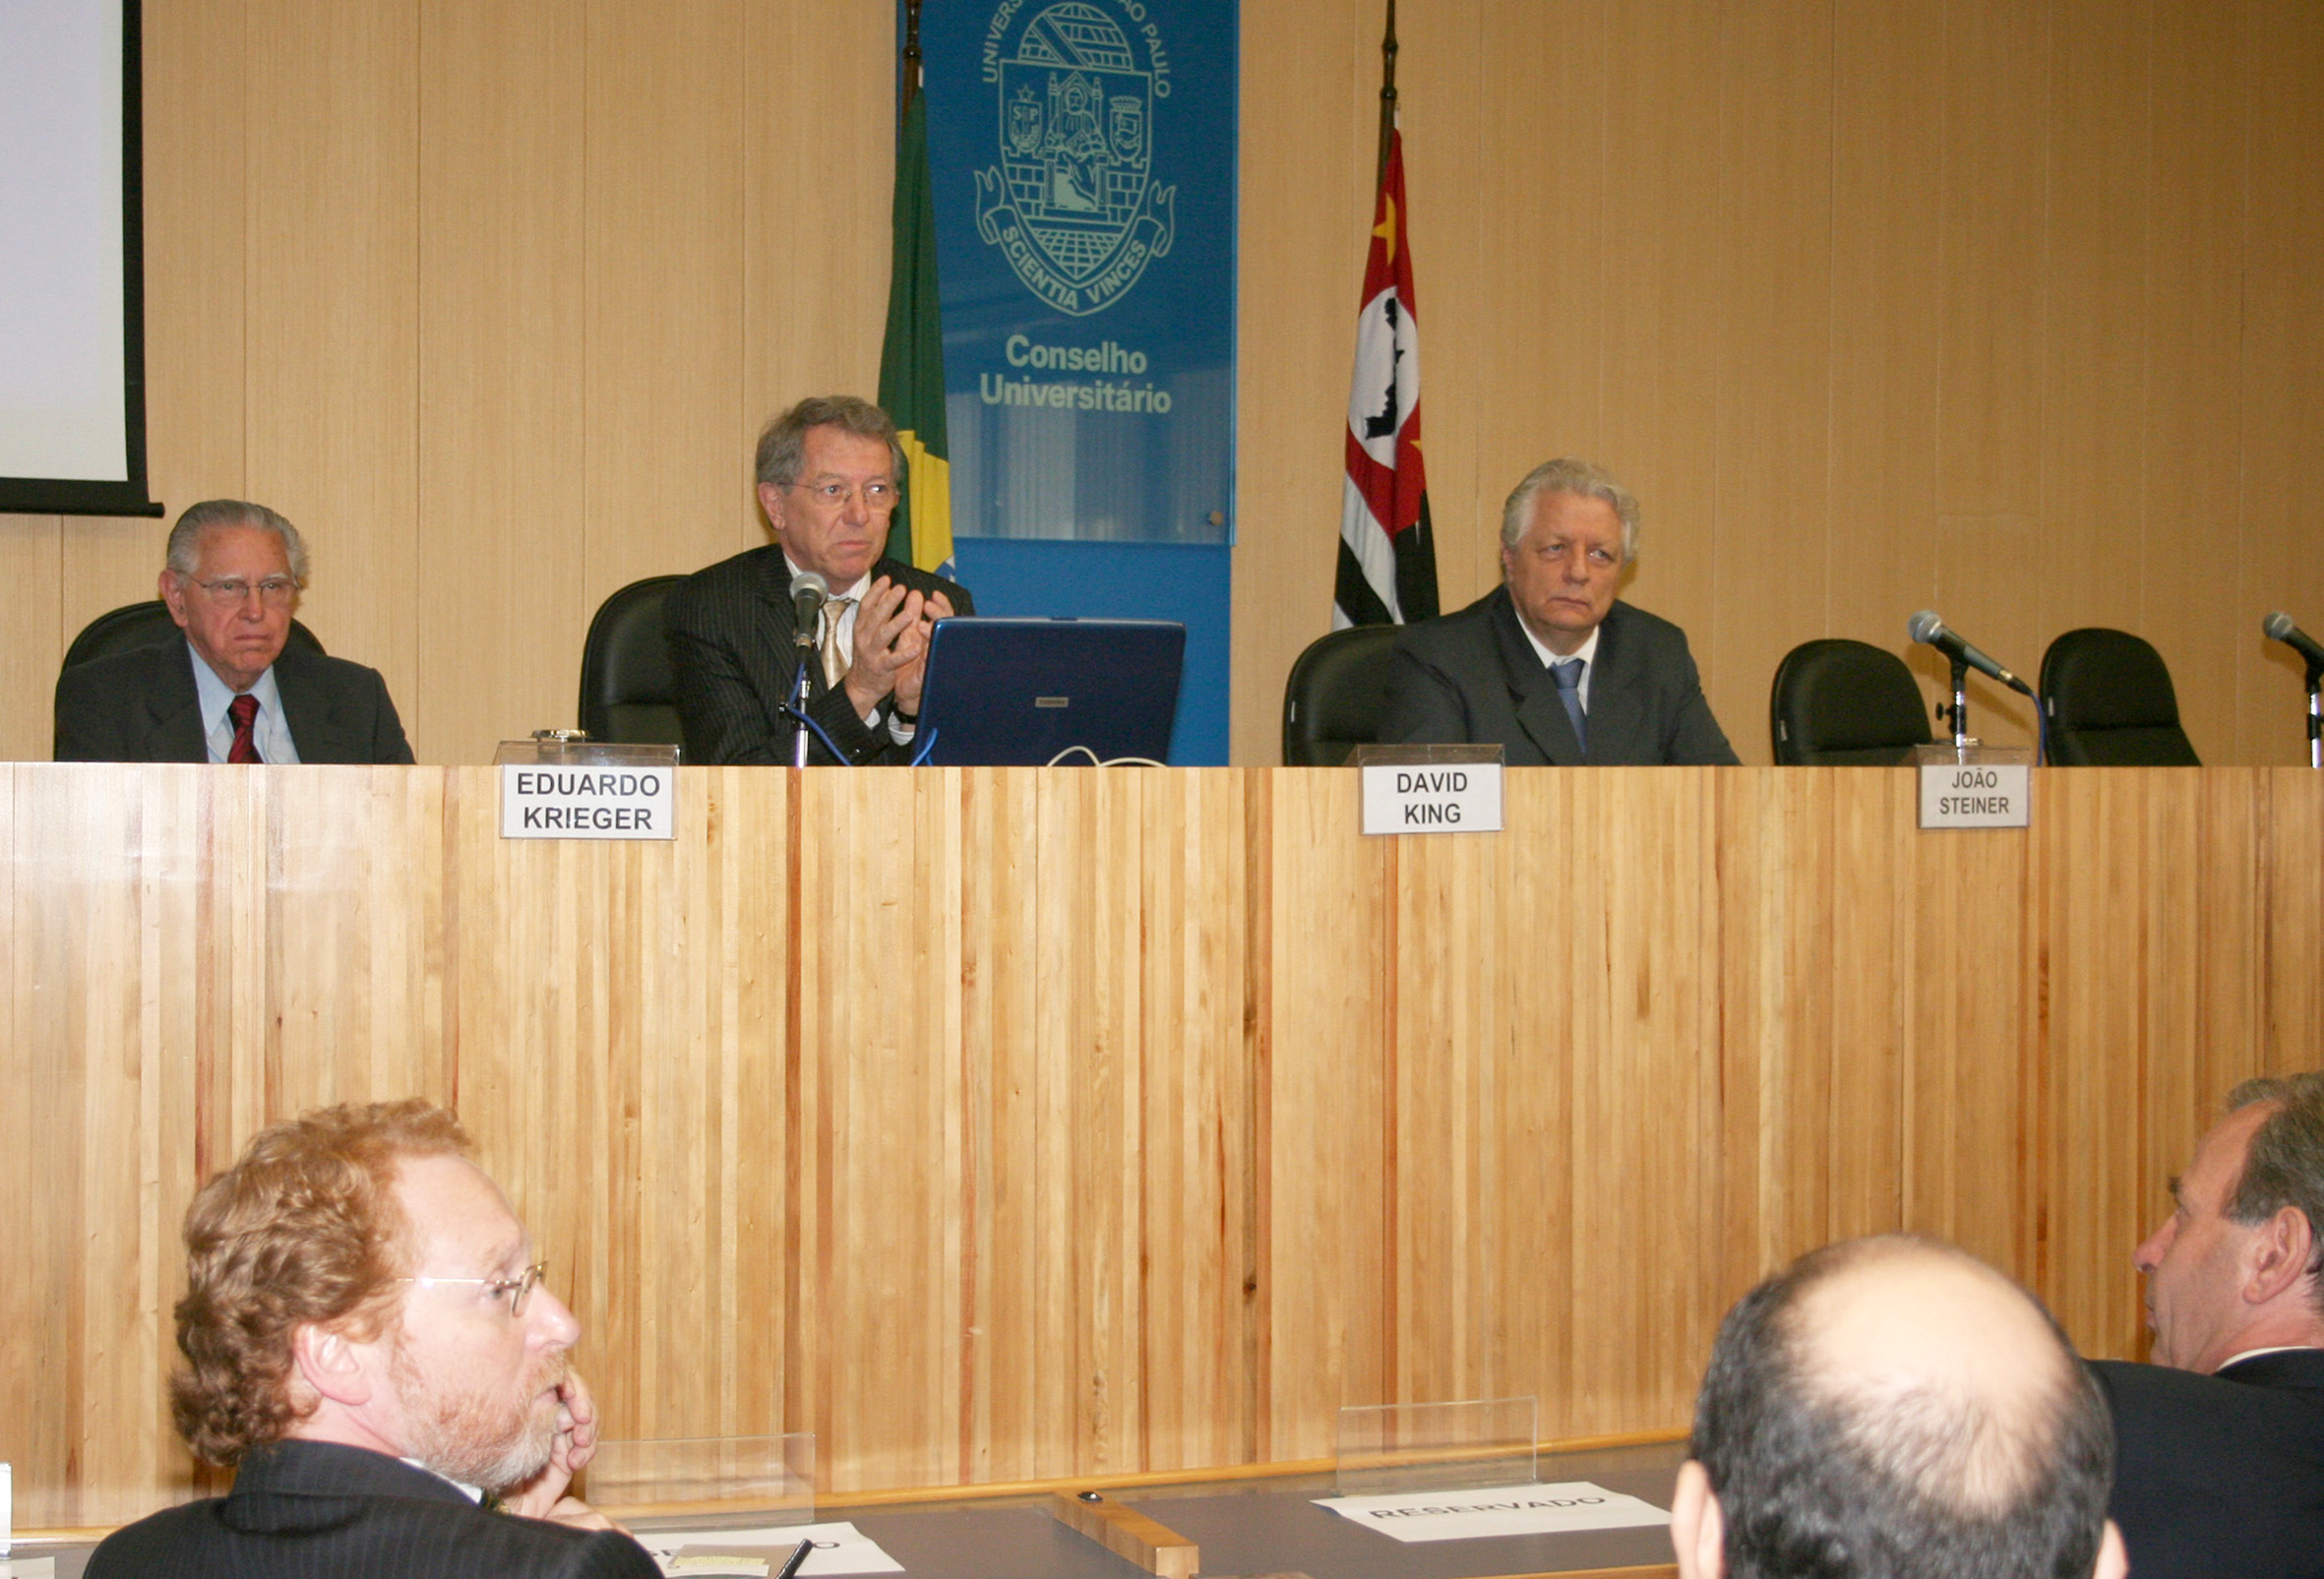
29,1568
1550,1509
838,1548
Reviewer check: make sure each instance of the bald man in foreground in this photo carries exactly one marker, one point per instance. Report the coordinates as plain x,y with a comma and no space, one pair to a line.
1893,1407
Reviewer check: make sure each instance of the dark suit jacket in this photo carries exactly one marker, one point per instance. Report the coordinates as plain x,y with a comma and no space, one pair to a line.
141,707
1473,677
732,662
2219,1476
301,1509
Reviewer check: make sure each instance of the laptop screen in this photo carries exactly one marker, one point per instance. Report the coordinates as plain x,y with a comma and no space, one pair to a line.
1022,692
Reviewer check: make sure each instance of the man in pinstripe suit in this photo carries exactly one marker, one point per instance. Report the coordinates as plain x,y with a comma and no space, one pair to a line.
828,473
369,1343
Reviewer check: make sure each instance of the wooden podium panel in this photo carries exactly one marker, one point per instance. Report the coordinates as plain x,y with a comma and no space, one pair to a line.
1000,1125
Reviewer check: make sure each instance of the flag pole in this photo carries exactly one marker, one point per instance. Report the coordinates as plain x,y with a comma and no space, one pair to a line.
1387,93
903,100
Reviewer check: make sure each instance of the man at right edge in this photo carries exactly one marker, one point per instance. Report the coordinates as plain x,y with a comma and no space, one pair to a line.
2220,1442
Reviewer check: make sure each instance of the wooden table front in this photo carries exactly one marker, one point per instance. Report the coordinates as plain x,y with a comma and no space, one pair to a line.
1005,1124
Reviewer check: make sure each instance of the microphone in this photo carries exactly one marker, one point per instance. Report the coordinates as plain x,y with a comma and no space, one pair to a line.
808,592
1927,627
2279,626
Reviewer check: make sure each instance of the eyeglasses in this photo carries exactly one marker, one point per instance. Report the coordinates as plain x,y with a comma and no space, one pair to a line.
276,591
517,1289
833,495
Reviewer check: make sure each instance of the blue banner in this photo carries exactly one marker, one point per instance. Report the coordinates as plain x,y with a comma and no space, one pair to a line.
1082,155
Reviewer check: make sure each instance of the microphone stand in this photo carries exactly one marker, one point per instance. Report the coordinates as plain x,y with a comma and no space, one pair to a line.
1959,711
804,640
2315,715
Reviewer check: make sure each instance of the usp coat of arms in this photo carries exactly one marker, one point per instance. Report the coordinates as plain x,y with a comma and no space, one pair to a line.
1073,204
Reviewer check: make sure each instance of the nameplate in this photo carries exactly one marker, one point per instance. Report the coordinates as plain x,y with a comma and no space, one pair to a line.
582,801
1431,797
1498,1511
1975,795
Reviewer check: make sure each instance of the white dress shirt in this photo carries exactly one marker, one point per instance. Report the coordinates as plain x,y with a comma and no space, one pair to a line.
898,730
1587,653
269,732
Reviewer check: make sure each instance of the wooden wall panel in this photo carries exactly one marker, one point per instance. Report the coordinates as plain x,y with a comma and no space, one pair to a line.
2099,893
501,357
1769,556
332,333
1096,1123
105,876
2292,1019
1304,216
1991,349
31,557
2192,313
1001,1372
1201,1257
883,1345
2282,375
1778,1123
1447,158
2090,555
197,216
664,289
1663,310
818,179
1456,1039
1661,336
1646,1072
1967,1071
1539,332
1887,268
1335,974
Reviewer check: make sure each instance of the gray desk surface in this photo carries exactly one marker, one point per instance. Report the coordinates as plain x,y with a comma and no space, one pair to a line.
1284,1532
1261,1526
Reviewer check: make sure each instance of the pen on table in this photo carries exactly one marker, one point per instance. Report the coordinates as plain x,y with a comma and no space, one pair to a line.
797,1559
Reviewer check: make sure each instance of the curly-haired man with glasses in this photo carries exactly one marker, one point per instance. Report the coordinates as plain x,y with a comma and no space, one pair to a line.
238,688
370,1346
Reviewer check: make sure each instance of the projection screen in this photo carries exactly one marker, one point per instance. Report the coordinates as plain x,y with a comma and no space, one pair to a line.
72,288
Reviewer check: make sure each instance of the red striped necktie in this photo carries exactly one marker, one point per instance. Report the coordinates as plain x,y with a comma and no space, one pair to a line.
244,711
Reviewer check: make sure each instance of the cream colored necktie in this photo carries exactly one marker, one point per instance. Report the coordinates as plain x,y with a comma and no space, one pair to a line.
834,651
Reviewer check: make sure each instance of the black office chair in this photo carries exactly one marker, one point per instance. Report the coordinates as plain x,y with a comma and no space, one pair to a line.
2108,702
149,625
627,695
1841,703
1335,695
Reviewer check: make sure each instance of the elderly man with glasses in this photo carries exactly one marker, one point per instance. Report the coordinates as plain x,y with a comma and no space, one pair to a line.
233,691
369,1343
828,472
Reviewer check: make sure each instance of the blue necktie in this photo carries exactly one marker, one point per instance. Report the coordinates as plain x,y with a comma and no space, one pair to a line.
1568,676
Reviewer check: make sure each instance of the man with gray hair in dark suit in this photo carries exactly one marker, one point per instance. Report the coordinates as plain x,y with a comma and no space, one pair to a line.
1549,664
237,689
2220,1441
828,472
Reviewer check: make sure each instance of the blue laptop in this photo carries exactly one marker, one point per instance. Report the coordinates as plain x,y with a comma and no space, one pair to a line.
1023,693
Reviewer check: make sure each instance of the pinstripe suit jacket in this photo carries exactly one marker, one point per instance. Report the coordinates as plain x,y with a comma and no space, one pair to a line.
301,1509
733,663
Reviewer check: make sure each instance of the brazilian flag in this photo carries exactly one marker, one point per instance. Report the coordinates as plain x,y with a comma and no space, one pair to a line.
912,361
